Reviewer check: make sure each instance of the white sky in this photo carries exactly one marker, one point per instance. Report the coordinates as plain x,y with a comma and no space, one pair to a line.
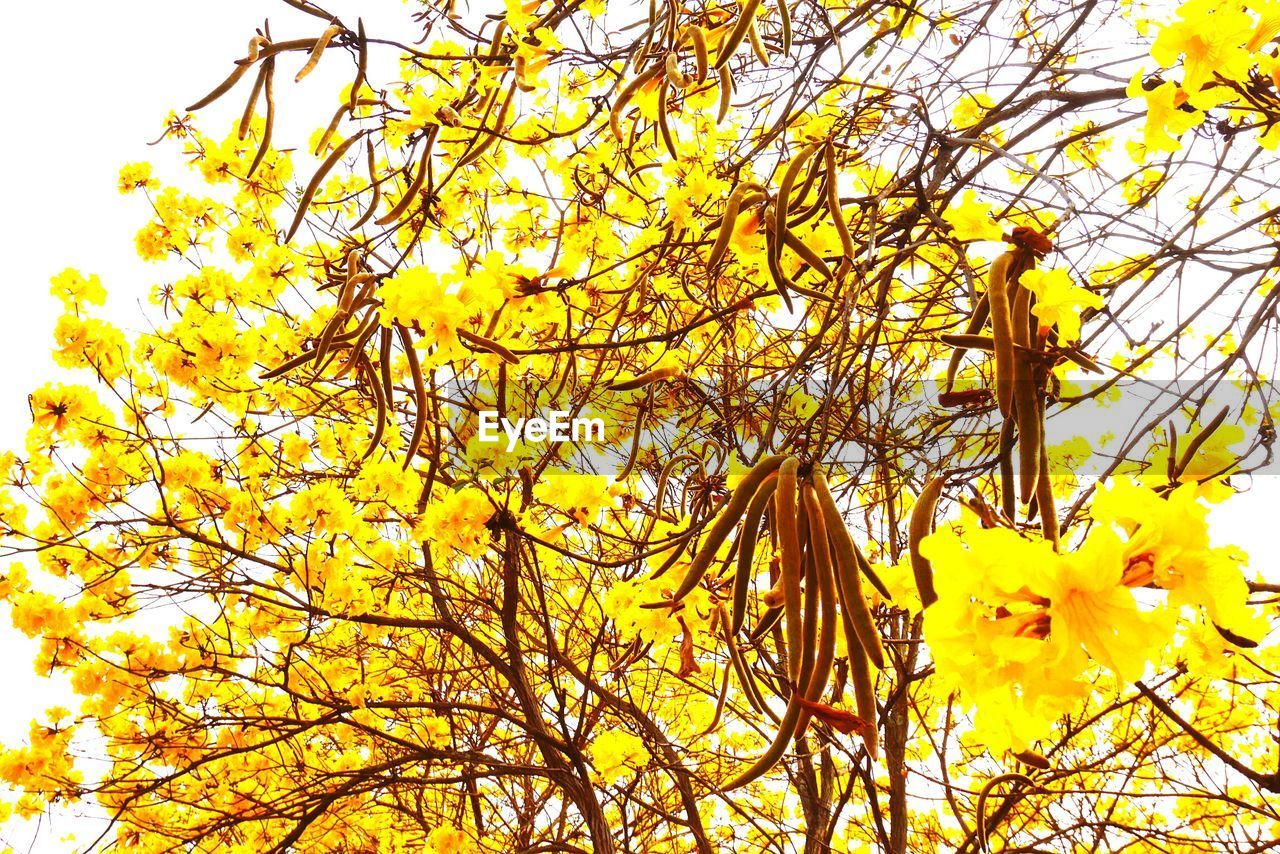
89,84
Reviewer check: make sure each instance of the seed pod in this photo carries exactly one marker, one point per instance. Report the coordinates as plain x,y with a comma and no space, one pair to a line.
362,64
331,129
419,392
1008,491
699,40
827,619
920,527
269,74
641,411
648,378
725,83
1045,502
982,831
314,185
415,184
482,142
1026,399
624,98
1002,331
733,41
255,45
379,401
729,221
221,89
664,127
316,52
784,18
776,748
829,156
675,76
784,515
374,186
246,118
848,582
864,689
1032,759
448,116
347,295
725,523
747,549
810,257
757,46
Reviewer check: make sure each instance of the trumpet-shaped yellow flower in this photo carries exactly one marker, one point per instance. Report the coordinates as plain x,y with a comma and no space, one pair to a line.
971,219
1059,300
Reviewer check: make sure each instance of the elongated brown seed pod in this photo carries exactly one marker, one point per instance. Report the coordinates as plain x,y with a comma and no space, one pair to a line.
757,46
309,193
313,59
725,523
675,76
733,40
747,549
828,618
362,64
776,748
864,692
647,378
246,118
1045,502
848,582
921,526
729,221
374,186
628,92
982,830
808,255
784,18
1008,486
725,82
222,88
698,38
490,345
664,126
834,208
415,184
269,123
1002,331
1027,410
380,425
785,513
419,392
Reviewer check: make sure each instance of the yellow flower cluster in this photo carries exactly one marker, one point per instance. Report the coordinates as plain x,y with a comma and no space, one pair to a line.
1018,627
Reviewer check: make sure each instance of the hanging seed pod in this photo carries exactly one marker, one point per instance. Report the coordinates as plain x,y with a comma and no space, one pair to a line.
725,523
921,526
313,59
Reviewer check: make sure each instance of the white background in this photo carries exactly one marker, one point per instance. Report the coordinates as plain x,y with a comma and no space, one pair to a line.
87,85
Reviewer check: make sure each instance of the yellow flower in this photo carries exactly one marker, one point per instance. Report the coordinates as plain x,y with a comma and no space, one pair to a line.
615,752
136,176
1059,301
971,219
1268,26
1210,36
1165,121
72,288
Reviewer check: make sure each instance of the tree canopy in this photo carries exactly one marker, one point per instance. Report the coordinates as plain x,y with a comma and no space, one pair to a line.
923,337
